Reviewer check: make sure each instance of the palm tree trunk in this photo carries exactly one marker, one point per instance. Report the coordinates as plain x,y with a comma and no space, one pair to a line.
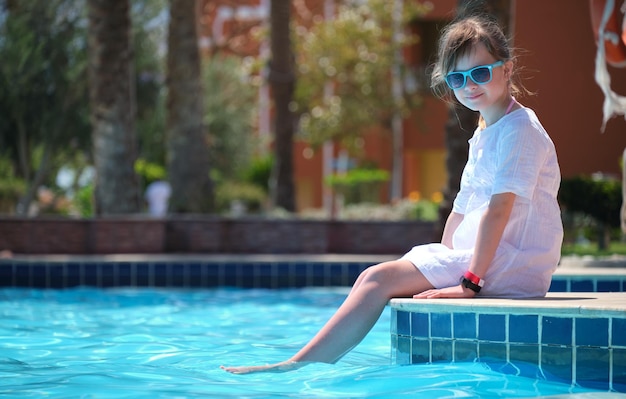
112,100
282,81
187,147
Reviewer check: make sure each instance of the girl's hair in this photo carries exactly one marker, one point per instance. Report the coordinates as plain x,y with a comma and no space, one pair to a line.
459,38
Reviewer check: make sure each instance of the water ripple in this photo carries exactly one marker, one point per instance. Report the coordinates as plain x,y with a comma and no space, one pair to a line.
150,343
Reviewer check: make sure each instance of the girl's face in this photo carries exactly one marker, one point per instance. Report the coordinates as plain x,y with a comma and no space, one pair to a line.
487,98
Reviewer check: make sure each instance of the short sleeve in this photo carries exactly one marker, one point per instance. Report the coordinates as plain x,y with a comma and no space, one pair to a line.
521,152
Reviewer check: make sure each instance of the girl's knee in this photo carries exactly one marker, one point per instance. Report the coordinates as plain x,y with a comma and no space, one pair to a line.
383,271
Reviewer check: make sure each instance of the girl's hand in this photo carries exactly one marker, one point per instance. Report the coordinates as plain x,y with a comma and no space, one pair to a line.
457,291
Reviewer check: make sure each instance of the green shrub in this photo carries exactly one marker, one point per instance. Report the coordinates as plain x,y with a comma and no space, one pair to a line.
359,185
148,171
259,172
250,195
84,200
11,189
597,198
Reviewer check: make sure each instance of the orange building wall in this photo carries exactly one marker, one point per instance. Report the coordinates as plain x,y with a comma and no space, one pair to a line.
560,55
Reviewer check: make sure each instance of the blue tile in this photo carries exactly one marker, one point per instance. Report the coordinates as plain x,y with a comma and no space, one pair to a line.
419,325
160,274
582,286
56,276
124,274
465,325
524,329
619,332
106,274
420,351
263,274
353,270
403,351
608,286
198,276
491,327
556,330
39,276
619,370
90,273
403,323
592,332
317,269
142,274
556,362
465,351
6,274
558,285
393,321
492,351
524,354
441,325
73,274
593,368
21,275
441,350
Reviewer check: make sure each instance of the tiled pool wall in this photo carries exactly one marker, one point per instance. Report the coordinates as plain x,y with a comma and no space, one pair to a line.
587,351
245,274
195,274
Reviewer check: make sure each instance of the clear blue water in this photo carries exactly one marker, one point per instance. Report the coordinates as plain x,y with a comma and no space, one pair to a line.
146,343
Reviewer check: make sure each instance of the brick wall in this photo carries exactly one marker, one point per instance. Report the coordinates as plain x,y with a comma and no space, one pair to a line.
208,234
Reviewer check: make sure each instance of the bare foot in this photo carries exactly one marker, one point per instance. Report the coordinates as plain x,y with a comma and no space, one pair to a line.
276,368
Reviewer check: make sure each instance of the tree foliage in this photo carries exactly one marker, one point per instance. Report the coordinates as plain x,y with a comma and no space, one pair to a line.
229,117
599,198
43,92
344,71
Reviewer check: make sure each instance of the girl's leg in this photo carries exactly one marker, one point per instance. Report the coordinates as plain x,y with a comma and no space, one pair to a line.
356,316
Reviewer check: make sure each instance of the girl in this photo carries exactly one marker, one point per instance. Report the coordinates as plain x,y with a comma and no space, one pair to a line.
503,237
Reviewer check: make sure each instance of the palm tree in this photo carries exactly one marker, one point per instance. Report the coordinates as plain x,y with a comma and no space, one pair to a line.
187,148
461,120
112,101
282,81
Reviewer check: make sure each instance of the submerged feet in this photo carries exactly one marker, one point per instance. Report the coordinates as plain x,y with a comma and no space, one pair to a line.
276,368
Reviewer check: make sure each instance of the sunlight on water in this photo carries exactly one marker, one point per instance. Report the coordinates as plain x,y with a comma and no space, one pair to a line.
146,343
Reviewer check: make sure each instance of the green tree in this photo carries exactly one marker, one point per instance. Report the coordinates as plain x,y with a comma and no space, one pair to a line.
187,147
229,117
113,106
43,92
355,52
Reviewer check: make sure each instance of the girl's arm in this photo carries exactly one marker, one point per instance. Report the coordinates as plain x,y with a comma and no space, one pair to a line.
490,232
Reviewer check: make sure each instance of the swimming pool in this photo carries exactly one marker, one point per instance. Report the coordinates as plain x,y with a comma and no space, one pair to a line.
158,343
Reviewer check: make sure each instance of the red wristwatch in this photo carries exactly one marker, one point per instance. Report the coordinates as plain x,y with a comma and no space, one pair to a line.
474,278
472,281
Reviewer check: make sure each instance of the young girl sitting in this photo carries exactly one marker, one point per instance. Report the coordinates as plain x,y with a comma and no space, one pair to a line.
503,237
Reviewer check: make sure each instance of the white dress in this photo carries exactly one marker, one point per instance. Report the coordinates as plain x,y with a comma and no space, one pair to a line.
516,155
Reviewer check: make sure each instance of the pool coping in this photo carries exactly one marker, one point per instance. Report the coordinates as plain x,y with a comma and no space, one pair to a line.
587,304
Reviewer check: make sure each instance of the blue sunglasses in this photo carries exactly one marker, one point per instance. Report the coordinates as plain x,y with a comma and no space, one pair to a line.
480,75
